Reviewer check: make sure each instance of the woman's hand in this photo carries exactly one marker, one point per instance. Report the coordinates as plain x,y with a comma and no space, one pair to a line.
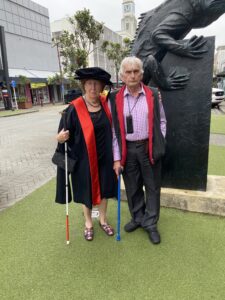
63,136
117,167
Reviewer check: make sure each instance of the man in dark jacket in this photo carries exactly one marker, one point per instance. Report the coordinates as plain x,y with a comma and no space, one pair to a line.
141,134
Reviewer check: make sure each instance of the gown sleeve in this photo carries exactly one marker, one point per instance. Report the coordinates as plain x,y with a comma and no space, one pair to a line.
60,177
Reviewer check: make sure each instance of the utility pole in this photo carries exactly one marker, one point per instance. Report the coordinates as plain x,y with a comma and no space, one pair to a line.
61,73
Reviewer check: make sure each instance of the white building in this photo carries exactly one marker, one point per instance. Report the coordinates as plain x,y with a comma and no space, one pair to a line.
220,59
219,66
96,58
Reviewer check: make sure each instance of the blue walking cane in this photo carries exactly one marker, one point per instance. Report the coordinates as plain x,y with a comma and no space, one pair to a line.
118,208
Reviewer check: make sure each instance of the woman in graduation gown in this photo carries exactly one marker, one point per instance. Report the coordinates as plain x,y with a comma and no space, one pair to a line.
89,137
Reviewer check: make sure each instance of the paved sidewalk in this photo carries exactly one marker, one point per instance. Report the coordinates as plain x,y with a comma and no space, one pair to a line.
27,143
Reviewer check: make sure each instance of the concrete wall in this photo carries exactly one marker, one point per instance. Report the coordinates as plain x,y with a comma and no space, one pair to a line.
31,54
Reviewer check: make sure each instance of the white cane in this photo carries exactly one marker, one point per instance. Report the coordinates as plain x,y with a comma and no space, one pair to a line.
66,186
67,202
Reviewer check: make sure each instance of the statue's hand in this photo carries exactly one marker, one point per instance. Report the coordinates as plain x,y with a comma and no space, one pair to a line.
193,47
175,81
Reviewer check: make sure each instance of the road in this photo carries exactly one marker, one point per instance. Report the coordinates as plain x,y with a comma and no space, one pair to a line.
27,143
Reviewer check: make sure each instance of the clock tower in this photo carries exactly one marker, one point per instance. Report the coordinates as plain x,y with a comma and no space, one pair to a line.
128,22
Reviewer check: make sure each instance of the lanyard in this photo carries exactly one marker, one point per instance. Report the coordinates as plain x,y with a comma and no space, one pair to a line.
130,110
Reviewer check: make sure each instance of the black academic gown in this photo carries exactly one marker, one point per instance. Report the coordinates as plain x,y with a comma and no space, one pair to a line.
81,178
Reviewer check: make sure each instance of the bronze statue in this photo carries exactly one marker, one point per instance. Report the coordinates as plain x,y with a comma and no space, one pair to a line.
163,29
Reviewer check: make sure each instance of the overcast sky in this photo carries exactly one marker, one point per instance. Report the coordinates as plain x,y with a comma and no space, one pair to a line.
110,12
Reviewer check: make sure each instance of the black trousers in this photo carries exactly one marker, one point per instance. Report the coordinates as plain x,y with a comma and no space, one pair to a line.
138,173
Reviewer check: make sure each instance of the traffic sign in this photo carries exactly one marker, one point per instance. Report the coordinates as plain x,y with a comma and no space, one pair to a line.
13,83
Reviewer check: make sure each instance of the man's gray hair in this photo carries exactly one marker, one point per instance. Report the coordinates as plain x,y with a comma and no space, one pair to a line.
130,60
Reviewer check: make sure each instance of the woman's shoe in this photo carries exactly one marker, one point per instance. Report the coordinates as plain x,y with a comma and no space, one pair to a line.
89,233
107,228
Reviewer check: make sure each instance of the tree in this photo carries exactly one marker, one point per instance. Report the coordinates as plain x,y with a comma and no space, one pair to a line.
76,46
55,79
22,82
116,52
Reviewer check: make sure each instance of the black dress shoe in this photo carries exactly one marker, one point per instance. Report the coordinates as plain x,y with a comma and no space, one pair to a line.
154,235
131,226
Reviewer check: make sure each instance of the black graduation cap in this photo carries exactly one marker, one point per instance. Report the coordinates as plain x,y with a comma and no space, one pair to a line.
93,73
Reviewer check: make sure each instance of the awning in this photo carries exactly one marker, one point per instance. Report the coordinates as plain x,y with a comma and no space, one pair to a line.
33,75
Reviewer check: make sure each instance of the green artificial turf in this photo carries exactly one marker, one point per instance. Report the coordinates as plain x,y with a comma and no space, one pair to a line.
36,263
216,164
217,124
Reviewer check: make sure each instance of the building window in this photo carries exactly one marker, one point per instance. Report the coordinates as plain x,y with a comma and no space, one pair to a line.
127,26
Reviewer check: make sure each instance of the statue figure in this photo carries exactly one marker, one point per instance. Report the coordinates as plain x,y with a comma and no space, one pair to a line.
162,29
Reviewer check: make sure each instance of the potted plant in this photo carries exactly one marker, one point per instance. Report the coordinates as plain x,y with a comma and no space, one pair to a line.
22,103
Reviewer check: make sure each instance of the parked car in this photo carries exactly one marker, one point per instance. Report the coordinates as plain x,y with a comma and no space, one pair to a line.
71,95
217,96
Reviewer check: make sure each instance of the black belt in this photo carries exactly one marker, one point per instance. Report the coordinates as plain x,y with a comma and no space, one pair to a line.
138,141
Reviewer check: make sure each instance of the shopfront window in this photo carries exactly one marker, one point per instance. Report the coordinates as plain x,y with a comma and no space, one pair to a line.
40,94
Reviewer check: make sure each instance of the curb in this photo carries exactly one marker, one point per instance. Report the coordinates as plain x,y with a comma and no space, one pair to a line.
21,113
212,201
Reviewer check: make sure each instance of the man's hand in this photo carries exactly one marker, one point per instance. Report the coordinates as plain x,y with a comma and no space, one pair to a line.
63,136
117,167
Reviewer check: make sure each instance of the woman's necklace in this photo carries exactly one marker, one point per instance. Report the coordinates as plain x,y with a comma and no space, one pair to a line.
91,104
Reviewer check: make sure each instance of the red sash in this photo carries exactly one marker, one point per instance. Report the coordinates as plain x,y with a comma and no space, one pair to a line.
120,113
89,137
